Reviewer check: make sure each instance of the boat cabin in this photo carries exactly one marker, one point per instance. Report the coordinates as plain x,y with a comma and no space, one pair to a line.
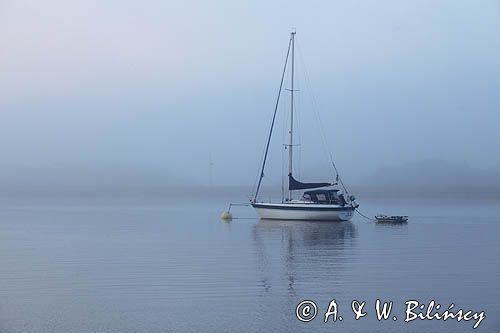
324,197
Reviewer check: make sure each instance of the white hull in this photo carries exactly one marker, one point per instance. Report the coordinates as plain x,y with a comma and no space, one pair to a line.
303,211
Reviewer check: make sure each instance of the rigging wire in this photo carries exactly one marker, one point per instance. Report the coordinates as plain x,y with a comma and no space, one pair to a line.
322,131
272,123
314,107
257,176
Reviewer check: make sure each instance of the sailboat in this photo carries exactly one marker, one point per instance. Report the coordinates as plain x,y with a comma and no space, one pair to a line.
323,201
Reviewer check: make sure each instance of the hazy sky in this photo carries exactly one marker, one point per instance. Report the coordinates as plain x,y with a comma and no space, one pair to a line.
143,90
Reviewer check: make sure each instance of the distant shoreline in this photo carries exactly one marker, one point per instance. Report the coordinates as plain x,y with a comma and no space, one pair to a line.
200,192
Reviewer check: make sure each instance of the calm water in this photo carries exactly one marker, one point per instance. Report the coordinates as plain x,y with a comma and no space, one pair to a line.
154,264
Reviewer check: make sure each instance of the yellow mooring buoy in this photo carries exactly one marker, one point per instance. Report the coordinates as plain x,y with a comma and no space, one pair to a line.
226,216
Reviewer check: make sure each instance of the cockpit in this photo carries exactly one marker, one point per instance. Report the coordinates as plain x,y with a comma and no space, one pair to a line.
325,197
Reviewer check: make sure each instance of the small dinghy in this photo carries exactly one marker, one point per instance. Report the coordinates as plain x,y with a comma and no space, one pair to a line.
391,218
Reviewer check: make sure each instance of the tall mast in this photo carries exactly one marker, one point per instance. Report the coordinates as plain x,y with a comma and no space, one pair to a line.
290,146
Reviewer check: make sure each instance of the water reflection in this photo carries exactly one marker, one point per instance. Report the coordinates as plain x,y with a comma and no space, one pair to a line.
308,234
298,248
296,259
391,227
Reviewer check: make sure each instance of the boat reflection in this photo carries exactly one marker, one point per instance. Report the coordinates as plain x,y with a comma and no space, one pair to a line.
307,233
396,227
292,250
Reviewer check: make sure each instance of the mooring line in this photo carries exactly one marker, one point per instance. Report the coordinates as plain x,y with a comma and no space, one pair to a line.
363,215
